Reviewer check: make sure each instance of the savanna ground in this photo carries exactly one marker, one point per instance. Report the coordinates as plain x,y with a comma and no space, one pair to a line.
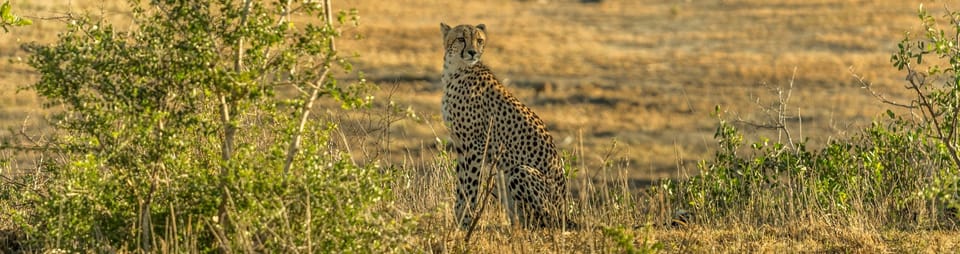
627,87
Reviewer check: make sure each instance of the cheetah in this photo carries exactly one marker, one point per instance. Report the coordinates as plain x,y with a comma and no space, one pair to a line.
490,128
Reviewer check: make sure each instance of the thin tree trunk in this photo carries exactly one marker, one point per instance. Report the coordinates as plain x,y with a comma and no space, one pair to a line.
227,112
314,93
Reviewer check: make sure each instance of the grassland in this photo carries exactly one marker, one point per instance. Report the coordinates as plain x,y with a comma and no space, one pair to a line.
647,74
644,75
624,83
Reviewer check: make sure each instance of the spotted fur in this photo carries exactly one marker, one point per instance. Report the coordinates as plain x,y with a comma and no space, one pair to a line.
491,128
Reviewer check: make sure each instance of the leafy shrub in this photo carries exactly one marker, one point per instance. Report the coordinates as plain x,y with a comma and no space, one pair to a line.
885,174
899,171
173,136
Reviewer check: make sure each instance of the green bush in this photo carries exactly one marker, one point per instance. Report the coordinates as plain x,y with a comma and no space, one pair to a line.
173,136
901,172
887,175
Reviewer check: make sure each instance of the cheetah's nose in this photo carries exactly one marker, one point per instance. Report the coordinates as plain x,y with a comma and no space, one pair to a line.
471,52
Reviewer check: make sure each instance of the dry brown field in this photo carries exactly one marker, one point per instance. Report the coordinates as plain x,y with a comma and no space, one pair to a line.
638,79
623,82
632,80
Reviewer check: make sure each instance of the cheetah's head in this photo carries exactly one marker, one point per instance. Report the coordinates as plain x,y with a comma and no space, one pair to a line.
463,44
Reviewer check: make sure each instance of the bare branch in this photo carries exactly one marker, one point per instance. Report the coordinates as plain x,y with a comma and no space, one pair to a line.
869,86
771,126
488,191
777,113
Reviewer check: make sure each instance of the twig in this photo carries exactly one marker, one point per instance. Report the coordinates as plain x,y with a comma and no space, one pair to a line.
23,132
65,17
483,205
777,113
760,125
869,86
783,107
489,188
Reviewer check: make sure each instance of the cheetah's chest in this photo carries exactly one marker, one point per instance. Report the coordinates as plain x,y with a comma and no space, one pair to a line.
462,105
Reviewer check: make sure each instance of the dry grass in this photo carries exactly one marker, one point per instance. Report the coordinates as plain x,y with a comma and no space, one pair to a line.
610,203
646,74
624,83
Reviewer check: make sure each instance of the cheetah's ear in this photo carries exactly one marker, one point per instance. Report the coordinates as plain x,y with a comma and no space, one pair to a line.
444,28
482,27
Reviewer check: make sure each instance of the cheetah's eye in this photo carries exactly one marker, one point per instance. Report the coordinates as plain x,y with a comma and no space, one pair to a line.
480,41
461,39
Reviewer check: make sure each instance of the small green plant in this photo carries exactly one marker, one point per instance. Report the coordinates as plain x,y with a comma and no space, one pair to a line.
7,18
627,242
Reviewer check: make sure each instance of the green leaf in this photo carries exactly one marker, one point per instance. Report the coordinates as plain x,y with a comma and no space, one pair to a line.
23,22
9,19
5,12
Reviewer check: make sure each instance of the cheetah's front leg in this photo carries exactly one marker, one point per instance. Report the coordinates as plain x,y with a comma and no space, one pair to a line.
468,182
